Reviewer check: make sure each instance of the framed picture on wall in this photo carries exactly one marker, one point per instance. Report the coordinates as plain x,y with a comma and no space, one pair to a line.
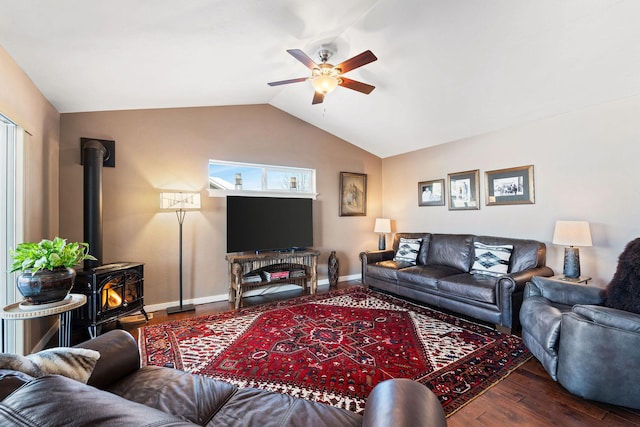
431,193
353,194
513,186
464,190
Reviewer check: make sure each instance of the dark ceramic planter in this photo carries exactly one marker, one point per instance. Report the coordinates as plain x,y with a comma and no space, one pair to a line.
46,286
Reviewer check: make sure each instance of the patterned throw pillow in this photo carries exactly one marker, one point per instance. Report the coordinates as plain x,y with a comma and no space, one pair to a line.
74,363
492,260
408,250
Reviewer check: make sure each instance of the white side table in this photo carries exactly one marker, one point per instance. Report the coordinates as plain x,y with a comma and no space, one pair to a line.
14,312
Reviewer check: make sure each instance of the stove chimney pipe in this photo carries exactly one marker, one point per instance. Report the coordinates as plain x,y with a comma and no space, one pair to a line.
93,154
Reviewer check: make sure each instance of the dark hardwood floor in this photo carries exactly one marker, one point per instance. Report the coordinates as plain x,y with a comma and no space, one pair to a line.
527,397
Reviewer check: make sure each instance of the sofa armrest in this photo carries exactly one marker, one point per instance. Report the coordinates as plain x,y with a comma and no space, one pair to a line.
119,356
371,257
611,317
515,282
509,293
402,402
564,292
599,362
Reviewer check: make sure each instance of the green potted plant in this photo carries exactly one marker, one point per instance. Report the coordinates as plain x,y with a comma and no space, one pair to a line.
46,268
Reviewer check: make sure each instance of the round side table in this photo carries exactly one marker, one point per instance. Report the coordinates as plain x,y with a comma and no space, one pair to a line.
14,312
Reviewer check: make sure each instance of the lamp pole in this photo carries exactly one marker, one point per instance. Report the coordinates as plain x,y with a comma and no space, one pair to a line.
180,213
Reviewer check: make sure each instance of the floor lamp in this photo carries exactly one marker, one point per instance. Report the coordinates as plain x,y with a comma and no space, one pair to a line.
181,203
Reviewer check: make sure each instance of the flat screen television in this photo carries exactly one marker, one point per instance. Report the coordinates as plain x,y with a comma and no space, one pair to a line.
268,223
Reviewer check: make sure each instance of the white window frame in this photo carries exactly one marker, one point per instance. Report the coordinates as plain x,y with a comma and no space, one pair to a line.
265,192
11,223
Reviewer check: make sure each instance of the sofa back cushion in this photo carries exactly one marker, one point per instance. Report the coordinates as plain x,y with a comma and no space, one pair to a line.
59,401
453,250
525,254
424,246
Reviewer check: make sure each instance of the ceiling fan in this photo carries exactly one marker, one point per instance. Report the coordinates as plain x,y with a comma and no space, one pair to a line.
326,77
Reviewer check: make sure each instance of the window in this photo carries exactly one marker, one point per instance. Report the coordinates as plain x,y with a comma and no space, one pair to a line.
11,224
260,180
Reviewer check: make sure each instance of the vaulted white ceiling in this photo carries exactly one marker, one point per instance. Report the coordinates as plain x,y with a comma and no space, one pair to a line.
446,69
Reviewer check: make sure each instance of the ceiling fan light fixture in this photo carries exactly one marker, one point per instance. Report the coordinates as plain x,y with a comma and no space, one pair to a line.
325,78
324,84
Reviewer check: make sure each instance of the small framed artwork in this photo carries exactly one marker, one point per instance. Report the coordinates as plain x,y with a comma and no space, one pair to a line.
464,190
431,193
513,186
353,194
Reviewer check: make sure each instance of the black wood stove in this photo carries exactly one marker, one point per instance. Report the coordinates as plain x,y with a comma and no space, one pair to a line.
113,290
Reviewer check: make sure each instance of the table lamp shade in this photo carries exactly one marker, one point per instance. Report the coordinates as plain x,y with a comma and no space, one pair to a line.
383,225
572,233
175,201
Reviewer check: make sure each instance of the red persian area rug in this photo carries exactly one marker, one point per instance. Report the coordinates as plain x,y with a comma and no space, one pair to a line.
334,348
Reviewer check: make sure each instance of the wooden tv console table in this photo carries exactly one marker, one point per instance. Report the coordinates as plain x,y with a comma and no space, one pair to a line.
246,265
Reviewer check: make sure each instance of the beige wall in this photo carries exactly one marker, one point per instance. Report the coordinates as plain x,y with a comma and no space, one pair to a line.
586,168
169,149
22,102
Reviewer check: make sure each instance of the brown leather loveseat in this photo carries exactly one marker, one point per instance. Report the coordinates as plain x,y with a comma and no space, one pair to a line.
121,393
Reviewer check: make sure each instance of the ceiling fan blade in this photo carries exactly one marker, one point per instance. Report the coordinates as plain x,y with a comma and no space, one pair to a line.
357,61
355,85
317,98
302,57
286,82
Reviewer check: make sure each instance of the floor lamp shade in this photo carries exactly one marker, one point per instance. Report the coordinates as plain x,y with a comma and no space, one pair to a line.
572,233
180,203
177,201
382,226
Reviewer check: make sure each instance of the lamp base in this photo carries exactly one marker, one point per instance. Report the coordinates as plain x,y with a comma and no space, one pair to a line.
181,308
571,263
382,242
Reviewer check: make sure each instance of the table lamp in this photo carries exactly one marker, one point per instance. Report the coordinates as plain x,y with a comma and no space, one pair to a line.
383,225
180,202
572,233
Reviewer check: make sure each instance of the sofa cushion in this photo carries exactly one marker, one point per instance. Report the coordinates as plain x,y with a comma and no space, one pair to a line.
408,250
478,287
385,270
56,401
254,407
191,397
425,275
492,260
11,380
453,250
74,363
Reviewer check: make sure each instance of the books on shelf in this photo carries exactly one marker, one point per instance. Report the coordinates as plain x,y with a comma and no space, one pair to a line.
299,272
251,278
276,275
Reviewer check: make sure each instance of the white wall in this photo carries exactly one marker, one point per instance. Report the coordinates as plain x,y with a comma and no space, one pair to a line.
586,166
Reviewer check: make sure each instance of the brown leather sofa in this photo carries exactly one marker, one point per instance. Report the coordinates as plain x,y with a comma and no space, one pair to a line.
121,393
442,275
